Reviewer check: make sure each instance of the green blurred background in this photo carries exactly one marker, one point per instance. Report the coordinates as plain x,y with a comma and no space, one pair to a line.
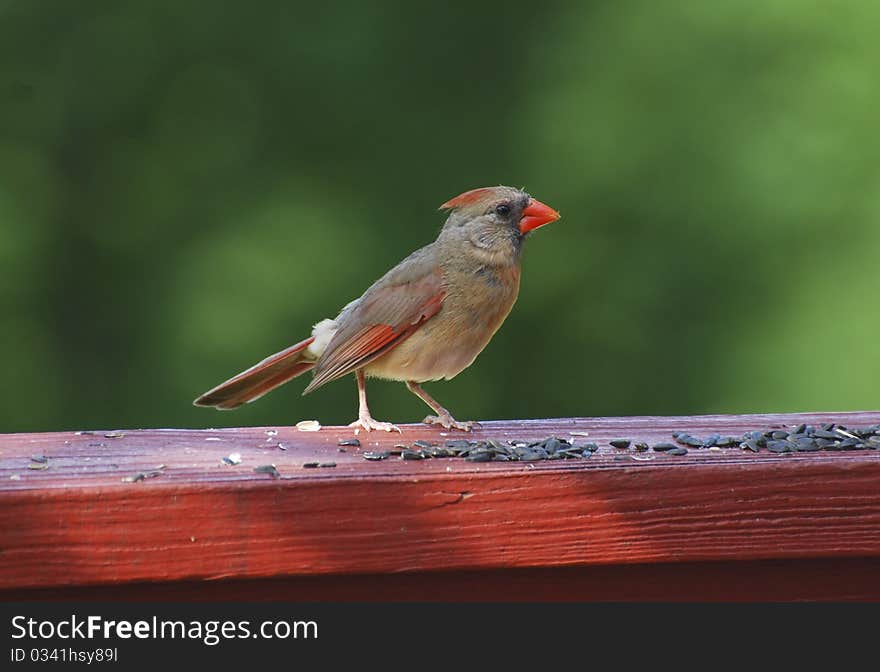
187,186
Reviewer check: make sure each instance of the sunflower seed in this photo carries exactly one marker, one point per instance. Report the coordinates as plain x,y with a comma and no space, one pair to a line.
267,469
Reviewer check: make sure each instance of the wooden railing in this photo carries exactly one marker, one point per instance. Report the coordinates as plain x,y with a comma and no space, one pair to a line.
133,514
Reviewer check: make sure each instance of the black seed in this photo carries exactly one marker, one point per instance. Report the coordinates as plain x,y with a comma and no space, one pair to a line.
750,444
42,459
480,456
678,451
727,442
711,441
267,469
531,456
641,447
778,435
376,455
664,447
779,446
412,455
592,447
572,452
501,457
825,434
852,444
620,443
423,444
461,444
800,429
691,441
807,446
327,465
310,465
552,445
349,442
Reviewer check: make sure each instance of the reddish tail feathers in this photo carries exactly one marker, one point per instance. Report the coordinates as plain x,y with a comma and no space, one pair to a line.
261,378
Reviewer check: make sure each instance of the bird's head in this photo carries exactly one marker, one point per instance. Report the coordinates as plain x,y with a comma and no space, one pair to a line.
495,219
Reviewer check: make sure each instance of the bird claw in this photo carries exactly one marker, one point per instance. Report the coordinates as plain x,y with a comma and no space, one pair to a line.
448,422
369,424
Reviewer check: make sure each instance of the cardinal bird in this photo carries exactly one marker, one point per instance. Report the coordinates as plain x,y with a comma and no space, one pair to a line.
427,318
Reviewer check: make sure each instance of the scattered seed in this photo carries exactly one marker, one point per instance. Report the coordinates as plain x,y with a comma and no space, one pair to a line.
680,450
620,443
664,447
267,469
779,446
308,425
310,465
422,444
114,435
349,442
552,445
376,455
42,459
38,466
412,455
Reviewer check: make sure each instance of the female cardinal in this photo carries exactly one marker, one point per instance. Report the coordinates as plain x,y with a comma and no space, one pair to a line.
425,319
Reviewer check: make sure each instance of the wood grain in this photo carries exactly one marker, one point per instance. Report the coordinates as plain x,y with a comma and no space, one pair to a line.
78,523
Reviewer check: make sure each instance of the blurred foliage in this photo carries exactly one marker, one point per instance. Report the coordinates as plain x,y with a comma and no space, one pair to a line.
186,187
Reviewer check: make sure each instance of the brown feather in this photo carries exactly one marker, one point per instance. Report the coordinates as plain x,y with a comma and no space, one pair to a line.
384,317
256,381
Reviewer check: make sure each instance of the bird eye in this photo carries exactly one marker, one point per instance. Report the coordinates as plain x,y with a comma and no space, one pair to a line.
502,210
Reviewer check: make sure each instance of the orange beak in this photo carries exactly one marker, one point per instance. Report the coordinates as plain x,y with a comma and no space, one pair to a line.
535,215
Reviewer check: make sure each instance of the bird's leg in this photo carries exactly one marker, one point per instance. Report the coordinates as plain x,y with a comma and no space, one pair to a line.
443,417
365,420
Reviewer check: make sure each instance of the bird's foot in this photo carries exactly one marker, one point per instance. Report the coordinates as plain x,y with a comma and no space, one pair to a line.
367,423
447,421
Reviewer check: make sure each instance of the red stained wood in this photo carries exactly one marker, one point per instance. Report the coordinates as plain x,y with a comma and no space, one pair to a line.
78,523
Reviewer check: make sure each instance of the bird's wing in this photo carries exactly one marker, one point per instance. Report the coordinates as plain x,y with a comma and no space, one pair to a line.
389,312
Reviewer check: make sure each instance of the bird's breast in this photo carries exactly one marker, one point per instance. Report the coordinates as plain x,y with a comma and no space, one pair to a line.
476,304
